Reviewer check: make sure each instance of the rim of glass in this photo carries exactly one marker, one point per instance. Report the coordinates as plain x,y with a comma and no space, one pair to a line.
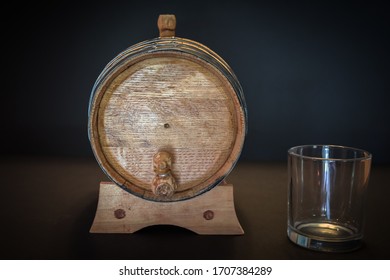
293,151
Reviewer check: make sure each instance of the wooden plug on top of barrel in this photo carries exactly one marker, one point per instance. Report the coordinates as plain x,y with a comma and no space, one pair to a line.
167,25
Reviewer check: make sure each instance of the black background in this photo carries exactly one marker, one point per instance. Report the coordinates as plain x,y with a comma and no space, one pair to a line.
313,72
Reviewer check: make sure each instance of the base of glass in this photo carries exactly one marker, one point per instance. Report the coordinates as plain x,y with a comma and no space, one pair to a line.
324,237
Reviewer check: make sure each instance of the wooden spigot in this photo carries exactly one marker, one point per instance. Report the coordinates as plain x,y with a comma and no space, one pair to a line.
167,25
163,183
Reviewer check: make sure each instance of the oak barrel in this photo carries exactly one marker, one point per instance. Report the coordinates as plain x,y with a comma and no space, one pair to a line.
167,112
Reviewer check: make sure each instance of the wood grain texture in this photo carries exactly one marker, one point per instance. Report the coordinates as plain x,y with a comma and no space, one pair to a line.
210,213
167,101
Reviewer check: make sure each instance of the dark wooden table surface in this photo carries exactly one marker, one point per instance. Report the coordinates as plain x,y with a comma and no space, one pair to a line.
47,206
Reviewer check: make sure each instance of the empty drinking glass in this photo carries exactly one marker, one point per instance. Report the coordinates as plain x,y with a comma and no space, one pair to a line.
327,187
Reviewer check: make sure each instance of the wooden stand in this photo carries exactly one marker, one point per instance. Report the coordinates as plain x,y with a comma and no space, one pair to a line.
210,213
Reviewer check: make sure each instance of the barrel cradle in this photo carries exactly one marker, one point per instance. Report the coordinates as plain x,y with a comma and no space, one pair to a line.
167,120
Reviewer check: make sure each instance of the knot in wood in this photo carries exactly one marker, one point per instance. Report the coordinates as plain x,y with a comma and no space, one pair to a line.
119,213
208,215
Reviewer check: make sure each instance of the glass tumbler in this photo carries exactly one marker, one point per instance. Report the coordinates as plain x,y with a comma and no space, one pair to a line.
327,188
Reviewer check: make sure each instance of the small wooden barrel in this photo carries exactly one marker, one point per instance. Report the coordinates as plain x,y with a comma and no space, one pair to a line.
167,118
